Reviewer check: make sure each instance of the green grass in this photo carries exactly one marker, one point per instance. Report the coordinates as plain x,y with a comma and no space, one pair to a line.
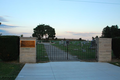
9,71
41,54
115,63
77,50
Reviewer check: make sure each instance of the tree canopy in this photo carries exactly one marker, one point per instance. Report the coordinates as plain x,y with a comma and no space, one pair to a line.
44,30
111,32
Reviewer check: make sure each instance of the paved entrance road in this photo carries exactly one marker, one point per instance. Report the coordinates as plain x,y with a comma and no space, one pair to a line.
69,71
56,54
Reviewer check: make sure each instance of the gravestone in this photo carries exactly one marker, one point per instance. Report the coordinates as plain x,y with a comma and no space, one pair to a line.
67,42
59,42
73,42
62,42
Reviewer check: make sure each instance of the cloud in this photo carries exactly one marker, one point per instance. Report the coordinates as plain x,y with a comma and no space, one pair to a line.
4,32
3,19
85,35
6,26
6,29
1,31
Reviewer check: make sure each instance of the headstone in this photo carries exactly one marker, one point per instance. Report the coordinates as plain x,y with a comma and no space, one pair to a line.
67,42
81,44
73,42
75,49
93,44
62,42
83,50
59,42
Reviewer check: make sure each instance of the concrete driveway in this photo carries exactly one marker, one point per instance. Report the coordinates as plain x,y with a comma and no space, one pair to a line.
69,71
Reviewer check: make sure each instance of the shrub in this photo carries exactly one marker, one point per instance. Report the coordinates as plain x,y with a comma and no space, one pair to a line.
9,48
116,47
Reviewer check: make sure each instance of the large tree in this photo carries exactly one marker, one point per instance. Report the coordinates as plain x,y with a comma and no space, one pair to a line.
44,30
111,32
106,32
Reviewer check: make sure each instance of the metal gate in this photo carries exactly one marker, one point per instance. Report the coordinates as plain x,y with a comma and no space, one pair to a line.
82,51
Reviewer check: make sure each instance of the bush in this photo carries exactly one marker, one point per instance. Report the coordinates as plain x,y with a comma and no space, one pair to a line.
9,48
116,47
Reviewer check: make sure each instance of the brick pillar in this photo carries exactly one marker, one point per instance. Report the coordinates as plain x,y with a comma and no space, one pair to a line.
27,50
104,49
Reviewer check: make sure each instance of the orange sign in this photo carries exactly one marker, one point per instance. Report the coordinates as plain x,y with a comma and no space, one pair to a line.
27,43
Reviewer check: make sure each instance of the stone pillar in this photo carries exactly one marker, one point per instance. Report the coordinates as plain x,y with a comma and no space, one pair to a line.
27,50
104,49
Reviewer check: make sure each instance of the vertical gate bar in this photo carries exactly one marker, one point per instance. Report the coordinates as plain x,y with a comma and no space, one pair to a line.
64,53
67,51
54,54
38,52
38,49
50,50
42,46
51,56
41,52
88,51
57,55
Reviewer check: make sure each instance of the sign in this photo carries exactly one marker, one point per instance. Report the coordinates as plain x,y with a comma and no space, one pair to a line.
27,43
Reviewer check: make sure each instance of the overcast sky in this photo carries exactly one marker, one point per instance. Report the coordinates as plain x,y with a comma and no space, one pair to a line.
70,18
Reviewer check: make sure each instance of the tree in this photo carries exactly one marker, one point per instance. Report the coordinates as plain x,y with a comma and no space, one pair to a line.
0,33
44,30
96,37
21,35
80,39
114,31
111,32
106,32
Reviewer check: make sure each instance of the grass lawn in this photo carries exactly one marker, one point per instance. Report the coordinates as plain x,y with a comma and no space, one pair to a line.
115,63
9,71
82,52
41,53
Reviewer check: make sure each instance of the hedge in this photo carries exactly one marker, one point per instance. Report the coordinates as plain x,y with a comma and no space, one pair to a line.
9,48
116,47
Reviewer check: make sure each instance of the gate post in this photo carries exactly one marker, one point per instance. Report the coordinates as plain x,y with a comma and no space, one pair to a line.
104,49
27,50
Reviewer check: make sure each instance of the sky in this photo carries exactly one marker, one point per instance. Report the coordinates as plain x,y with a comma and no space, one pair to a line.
71,19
